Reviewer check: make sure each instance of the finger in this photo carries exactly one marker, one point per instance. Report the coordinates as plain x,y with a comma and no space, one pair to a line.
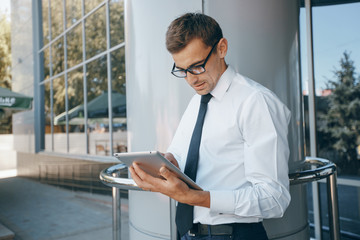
169,156
171,178
141,173
141,184
166,173
148,181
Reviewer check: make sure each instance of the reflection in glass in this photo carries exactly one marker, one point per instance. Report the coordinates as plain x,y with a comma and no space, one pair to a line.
97,80
57,53
57,25
47,116
46,63
77,139
74,46
95,32
338,86
335,55
45,21
119,100
118,70
60,140
97,107
90,5
73,12
116,22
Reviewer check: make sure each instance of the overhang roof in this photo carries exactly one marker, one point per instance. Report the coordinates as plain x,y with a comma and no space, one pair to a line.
318,3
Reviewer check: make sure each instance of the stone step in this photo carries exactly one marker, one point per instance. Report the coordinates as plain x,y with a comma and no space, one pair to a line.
5,233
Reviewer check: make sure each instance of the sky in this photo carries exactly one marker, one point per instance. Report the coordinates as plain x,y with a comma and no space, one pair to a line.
335,30
5,6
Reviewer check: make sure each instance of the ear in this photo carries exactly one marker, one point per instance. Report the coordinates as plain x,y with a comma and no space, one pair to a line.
222,47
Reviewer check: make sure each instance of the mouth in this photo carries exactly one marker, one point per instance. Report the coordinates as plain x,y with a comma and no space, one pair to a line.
199,86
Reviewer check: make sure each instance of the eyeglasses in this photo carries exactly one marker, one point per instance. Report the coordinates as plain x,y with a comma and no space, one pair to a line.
195,70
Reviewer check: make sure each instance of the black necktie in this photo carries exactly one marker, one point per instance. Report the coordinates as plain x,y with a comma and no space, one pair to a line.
184,212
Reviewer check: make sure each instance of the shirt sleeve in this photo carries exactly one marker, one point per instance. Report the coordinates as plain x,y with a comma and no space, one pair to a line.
263,122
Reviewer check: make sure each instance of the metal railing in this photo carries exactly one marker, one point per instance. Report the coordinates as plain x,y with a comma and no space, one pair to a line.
312,169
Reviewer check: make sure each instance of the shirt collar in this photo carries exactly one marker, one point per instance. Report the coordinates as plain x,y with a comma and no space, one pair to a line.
224,83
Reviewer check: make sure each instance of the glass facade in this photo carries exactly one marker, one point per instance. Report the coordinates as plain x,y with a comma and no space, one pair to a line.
337,95
83,77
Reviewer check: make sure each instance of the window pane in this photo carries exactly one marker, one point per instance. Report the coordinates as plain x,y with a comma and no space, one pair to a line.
95,33
77,138
60,140
74,46
349,208
45,21
73,12
336,54
45,58
47,113
119,100
90,5
116,22
97,107
57,49
57,22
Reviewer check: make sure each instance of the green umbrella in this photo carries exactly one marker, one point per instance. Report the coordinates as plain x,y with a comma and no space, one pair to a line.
97,109
13,100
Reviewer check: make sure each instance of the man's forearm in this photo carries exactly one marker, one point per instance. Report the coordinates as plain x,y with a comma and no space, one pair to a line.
198,198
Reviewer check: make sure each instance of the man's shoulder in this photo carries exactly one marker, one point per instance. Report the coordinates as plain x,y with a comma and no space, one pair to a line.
246,86
244,89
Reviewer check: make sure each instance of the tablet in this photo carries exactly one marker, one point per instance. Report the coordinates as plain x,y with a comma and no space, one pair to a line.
151,162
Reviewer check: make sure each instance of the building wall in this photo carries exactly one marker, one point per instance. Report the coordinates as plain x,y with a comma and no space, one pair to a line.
7,152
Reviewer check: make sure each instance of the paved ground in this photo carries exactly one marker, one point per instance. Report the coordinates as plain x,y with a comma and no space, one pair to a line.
35,211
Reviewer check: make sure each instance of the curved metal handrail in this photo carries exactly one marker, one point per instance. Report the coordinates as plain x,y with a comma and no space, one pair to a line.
110,177
324,168
319,168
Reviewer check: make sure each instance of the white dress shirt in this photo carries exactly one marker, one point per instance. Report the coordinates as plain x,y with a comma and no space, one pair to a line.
243,156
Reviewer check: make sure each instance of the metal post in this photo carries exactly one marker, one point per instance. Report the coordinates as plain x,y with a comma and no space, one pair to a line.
333,207
173,230
312,117
116,204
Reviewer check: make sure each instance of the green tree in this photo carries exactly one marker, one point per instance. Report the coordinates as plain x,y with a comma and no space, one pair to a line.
5,52
340,124
5,69
95,43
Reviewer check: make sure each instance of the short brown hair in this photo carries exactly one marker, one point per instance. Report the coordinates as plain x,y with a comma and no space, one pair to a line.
190,26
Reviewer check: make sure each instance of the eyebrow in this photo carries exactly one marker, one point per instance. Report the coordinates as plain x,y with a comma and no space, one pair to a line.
192,65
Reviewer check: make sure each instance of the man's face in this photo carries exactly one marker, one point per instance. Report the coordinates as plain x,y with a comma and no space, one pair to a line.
195,54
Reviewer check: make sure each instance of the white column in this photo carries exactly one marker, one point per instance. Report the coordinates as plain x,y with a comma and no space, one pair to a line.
155,102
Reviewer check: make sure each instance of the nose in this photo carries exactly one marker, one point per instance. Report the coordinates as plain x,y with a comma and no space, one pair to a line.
191,78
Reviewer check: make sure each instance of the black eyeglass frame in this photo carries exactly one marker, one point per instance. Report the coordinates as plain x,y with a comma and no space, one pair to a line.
189,69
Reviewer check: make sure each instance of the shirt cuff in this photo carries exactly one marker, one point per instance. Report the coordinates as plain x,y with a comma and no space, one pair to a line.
222,202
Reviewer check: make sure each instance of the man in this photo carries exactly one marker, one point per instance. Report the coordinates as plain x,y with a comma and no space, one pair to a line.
232,142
